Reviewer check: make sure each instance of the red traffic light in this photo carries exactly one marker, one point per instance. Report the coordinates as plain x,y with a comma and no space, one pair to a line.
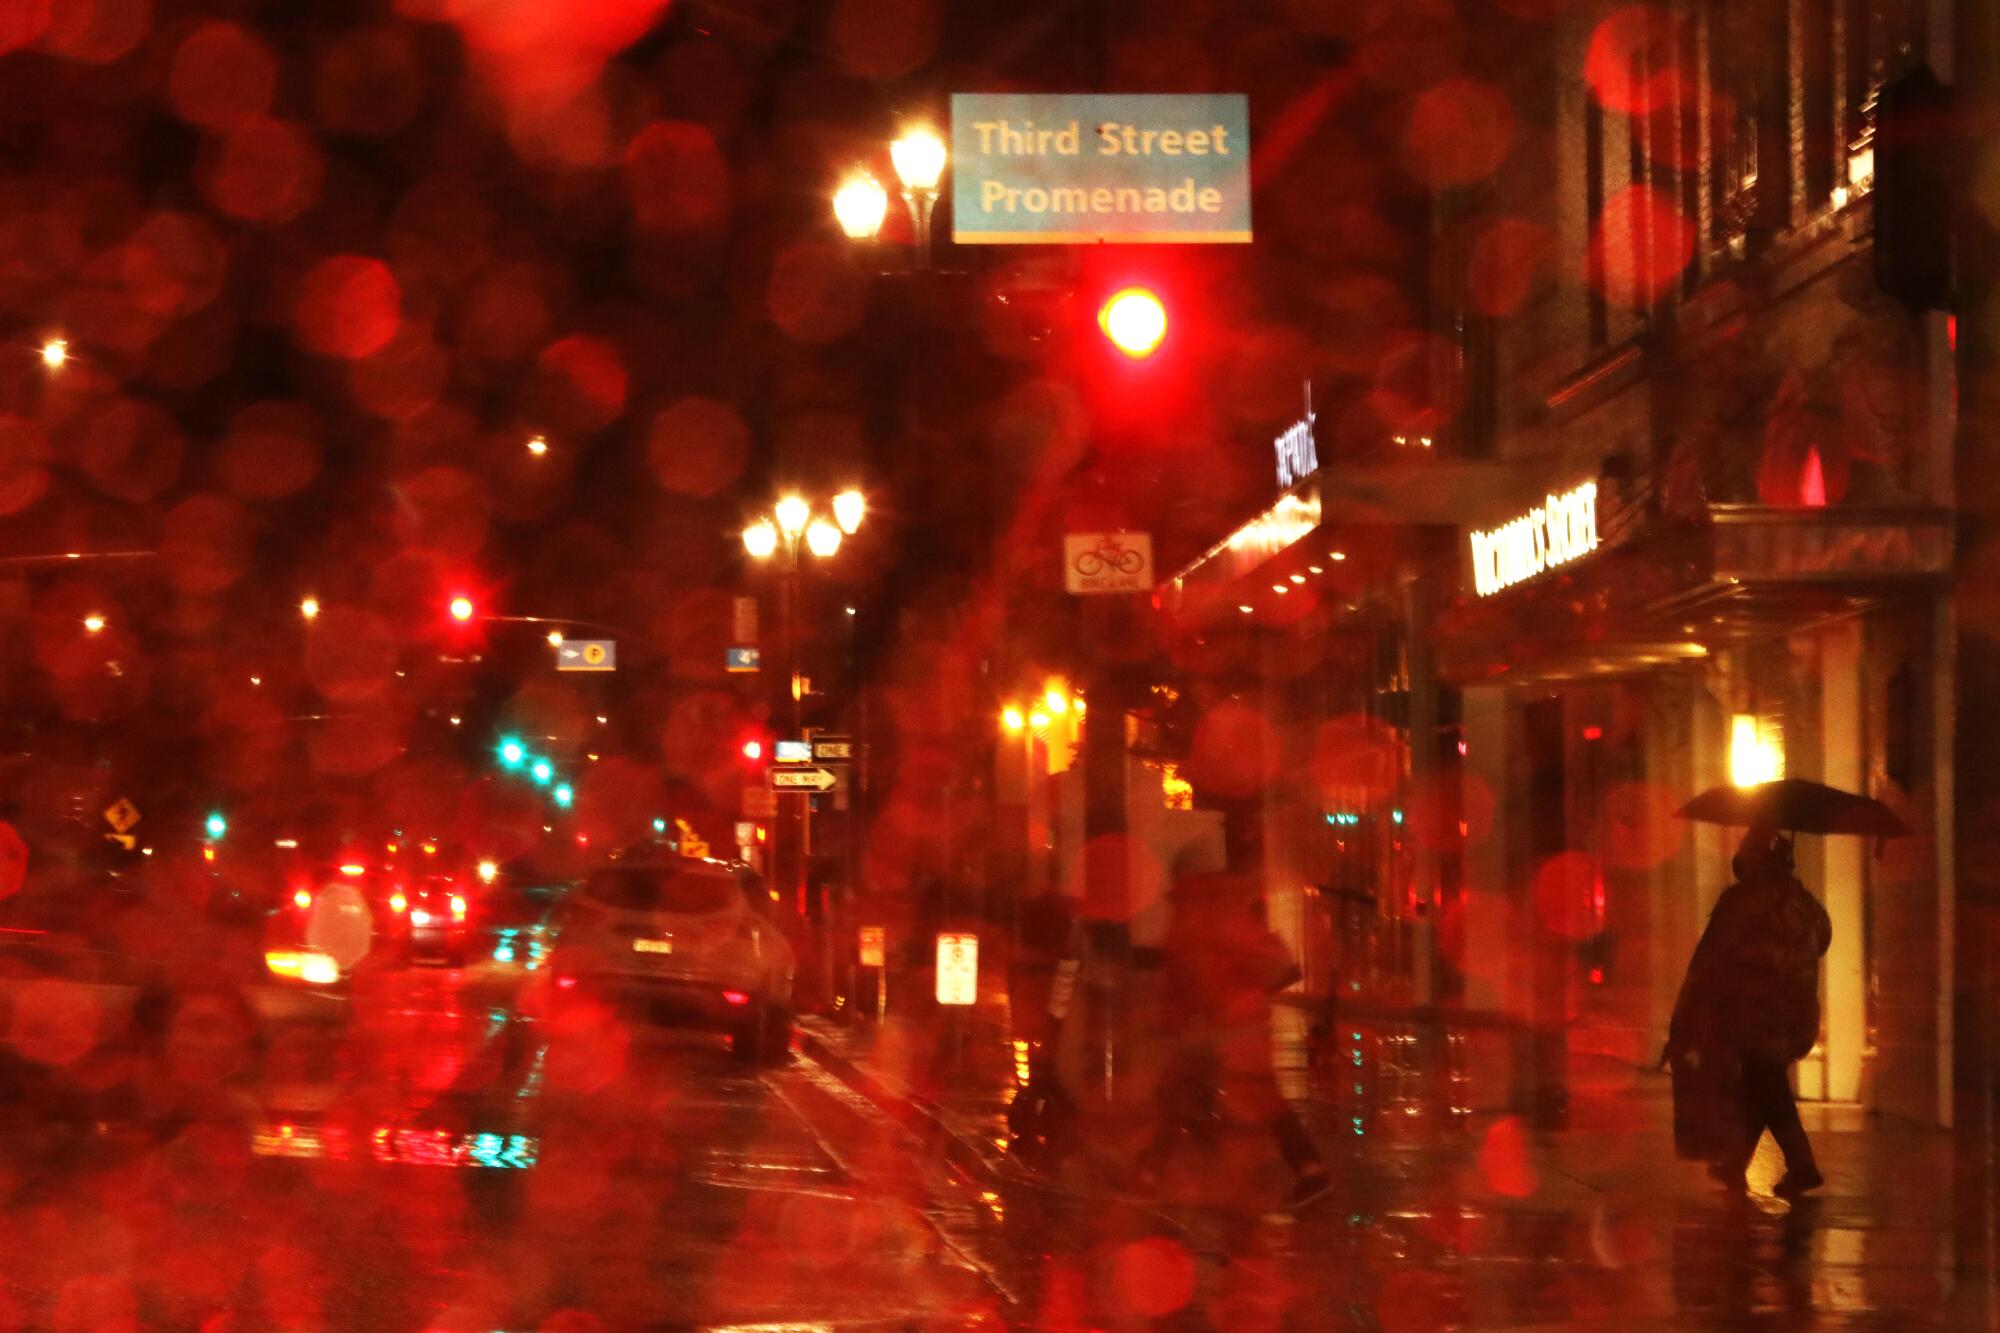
1135,321
461,608
753,749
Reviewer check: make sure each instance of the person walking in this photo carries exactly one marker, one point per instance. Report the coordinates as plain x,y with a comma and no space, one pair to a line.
1223,968
1748,1010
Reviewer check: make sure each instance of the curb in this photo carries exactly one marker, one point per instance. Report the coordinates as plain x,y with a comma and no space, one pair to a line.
920,1116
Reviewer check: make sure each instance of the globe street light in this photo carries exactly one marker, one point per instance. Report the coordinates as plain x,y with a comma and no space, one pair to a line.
849,508
822,538
792,513
761,538
919,156
859,205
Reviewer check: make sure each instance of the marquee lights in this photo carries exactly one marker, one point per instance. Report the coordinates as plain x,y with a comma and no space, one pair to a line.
1561,529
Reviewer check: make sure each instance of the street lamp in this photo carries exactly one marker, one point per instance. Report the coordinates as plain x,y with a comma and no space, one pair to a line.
822,538
919,157
859,205
860,202
55,353
849,508
309,608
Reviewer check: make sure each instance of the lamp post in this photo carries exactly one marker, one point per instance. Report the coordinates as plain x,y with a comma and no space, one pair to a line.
860,204
796,524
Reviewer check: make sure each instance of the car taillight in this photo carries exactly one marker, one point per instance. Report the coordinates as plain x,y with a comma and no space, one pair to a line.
457,907
419,917
735,997
565,983
302,898
398,903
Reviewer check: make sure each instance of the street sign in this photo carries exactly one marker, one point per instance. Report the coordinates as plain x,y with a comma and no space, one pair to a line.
1082,168
957,968
760,802
804,779
691,843
792,752
1108,562
874,946
837,748
587,655
121,814
745,659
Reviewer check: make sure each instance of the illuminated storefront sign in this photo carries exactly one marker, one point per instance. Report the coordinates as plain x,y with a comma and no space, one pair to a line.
1298,452
1560,529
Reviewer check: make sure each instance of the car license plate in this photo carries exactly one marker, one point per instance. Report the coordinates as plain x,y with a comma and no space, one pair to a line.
653,946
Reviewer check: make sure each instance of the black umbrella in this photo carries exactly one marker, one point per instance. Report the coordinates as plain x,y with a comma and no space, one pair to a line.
1797,806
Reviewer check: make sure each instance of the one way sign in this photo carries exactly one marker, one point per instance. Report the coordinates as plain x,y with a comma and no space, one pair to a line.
587,655
804,779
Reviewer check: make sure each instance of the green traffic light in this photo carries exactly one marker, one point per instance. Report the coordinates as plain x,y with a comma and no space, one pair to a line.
543,771
564,795
216,824
512,752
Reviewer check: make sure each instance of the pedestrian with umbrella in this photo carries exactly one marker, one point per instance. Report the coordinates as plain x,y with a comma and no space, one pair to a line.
1749,1006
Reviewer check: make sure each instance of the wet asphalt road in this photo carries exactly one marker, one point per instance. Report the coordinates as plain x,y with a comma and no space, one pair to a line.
429,1155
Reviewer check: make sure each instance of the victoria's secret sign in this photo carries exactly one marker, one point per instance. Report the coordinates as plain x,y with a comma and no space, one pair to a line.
1555,532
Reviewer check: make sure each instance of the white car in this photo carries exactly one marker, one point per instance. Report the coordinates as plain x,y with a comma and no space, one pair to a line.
686,941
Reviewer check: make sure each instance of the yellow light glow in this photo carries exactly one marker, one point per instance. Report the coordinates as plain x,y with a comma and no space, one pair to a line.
793,513
849,508
555,638
1135,321
398,903
309,608
1756,750
1013,719
93,623
761,538
1056,700
1175,791
822,538
488,871
55,352
352,868
538,445
305,965
919,158
859,206
1038,719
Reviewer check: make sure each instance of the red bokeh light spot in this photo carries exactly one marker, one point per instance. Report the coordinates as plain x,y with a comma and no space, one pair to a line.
1459,131
205,543
882,39
1640,245
1151,1278
348,306
1505,1163
264,171
369,83
698,446
1639,829
1235,751
1505,261
1563,889
676,179
22,23
221,75
816,291
1632,65
589,378
24,455
173,264
96,32
272,450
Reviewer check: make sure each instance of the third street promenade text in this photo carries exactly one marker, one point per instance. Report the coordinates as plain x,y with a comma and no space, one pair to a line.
1007,138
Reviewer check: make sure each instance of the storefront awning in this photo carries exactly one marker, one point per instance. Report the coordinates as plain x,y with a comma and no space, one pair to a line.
1358,506
1677,592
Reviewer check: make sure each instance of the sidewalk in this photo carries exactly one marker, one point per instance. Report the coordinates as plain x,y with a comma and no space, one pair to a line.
1447,1217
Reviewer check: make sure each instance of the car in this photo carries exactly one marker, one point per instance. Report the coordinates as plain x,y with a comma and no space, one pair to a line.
685,940
430,916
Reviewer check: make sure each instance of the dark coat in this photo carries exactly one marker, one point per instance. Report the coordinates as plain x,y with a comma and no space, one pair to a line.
1753,984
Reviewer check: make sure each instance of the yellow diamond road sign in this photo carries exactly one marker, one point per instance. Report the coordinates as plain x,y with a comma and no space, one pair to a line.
121,814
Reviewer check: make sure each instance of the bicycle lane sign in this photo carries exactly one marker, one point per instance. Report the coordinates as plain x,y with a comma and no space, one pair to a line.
1108,562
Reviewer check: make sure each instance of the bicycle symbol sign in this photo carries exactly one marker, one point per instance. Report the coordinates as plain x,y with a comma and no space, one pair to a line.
1108,562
